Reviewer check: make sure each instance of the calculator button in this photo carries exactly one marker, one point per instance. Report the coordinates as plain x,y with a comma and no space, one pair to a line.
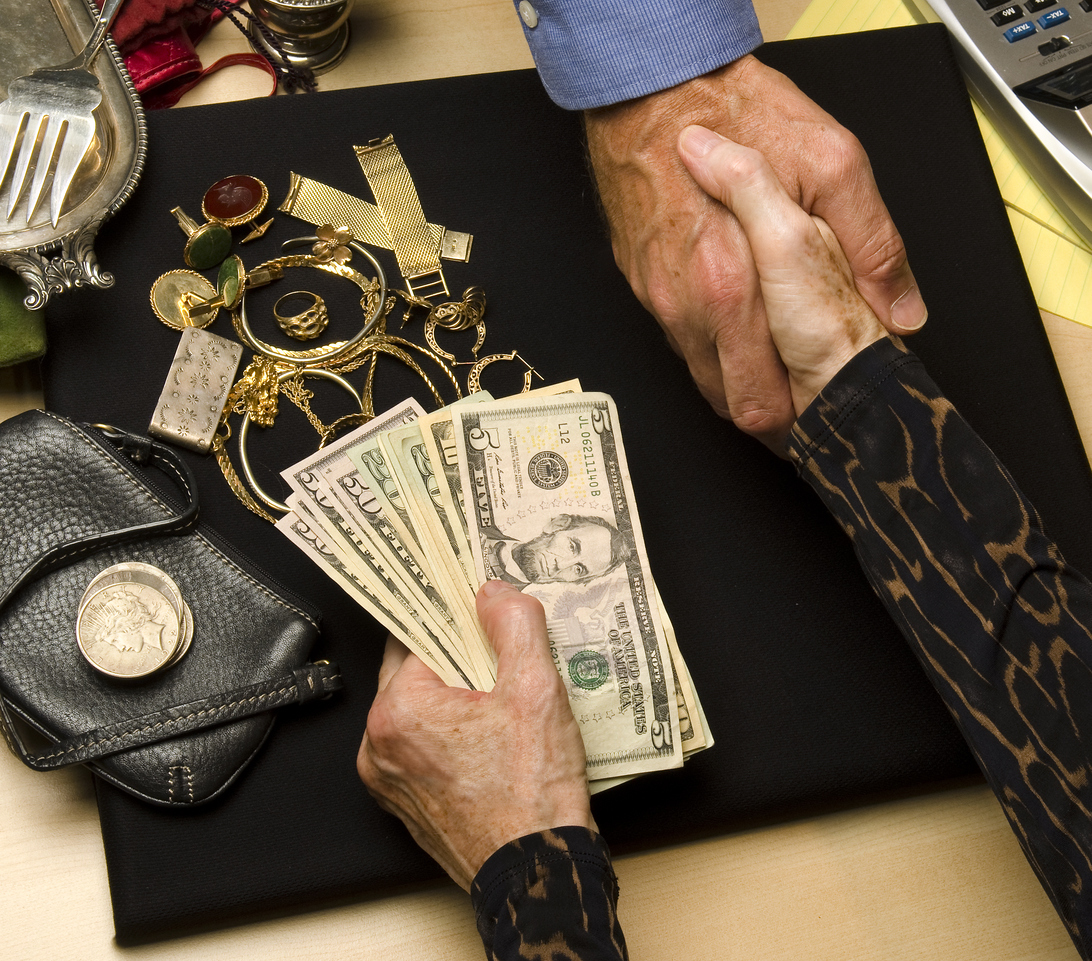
990,4
1020,31
1055,17
1053,45
1086,6
1034,6
1010,13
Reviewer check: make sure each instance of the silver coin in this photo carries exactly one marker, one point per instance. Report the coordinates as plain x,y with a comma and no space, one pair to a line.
139,573
128,629
185,639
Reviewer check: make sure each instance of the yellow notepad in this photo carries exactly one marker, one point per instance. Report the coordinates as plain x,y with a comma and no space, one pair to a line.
1058,262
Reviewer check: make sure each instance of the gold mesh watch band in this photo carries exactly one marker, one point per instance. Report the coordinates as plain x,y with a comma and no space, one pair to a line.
317,203
415,248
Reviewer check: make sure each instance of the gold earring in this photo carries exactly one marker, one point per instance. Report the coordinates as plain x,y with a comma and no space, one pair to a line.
430,339
460,315
473,380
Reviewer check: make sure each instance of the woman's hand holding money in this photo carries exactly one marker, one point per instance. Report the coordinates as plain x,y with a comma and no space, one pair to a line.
469,771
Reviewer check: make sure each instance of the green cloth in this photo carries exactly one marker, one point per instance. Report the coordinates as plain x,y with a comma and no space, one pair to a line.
22,331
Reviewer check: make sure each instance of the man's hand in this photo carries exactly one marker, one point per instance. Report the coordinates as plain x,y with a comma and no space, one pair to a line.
468,771
684,254
817,319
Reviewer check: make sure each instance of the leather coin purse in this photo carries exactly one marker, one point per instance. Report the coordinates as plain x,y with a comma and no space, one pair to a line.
131,640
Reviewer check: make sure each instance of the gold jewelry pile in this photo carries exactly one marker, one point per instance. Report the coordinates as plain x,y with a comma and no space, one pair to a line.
185,300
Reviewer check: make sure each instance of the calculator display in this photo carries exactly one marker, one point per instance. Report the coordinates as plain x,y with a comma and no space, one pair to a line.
1068,87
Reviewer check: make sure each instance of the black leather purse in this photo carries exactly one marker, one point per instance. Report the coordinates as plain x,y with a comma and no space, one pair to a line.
130,639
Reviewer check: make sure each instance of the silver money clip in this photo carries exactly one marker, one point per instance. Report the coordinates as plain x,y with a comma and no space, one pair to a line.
196,390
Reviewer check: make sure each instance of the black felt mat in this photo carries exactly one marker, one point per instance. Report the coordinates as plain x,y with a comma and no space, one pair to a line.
811,693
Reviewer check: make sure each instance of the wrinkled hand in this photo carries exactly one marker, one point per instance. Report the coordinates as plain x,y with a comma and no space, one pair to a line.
686,258
817,318
469,771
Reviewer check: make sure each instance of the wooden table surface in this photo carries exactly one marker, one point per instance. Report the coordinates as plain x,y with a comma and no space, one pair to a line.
937,876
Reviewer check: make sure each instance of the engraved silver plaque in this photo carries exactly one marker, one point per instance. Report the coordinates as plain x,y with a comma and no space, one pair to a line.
196,390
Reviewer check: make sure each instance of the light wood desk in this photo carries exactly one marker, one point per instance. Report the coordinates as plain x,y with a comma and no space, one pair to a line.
938,876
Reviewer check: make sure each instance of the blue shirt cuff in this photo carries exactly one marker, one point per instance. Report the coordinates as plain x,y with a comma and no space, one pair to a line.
590,54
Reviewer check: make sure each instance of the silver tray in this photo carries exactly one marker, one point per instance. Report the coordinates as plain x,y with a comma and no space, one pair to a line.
38,33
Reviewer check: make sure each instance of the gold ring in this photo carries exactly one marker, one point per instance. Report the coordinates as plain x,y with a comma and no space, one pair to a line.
374,296
308,323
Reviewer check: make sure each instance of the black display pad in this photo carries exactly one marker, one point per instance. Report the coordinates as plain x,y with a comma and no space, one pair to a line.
811,693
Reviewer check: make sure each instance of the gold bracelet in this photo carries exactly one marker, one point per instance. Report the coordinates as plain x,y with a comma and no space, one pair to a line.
317,203
414,245
244,429
376,288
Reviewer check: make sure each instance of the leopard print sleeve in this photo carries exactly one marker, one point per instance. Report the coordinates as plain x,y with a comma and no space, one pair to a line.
998,619
550,895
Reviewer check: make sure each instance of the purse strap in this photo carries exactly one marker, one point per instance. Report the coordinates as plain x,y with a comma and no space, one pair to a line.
305,683
141,450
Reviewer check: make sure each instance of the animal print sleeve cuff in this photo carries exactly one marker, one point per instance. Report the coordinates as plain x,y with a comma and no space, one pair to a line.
550,895
998,619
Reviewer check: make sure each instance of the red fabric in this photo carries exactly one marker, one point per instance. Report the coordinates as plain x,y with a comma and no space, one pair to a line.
165,60
168,94
157,39
140,21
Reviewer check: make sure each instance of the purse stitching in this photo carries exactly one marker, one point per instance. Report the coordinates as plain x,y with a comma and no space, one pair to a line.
219,709
8,737
181,772
204,543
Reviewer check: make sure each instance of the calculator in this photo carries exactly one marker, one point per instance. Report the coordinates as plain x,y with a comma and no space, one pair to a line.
1029,67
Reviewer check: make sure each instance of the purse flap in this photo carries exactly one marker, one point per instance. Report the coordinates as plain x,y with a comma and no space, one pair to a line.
63,483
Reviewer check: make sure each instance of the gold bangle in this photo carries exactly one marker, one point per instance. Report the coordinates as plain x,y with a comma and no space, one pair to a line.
244,428
338,349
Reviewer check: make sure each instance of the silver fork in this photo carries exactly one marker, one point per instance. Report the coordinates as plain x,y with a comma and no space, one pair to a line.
47,123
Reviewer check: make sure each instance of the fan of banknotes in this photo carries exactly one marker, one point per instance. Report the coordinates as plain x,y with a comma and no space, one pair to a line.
414,510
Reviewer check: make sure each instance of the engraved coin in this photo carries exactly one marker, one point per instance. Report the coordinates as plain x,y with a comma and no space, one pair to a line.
176,292
128,630
140,573
137,572
185,639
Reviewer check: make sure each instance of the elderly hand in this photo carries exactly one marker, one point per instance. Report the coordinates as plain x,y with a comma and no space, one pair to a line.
817,318
469,771
688,261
